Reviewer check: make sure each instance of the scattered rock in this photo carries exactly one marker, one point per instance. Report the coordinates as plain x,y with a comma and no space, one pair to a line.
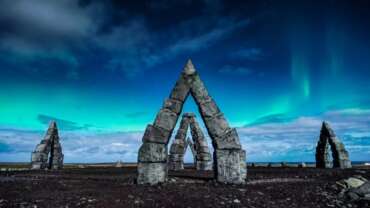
236,201
302,165
351,182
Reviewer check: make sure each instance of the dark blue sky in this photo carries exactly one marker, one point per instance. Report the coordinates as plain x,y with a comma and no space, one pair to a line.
107,66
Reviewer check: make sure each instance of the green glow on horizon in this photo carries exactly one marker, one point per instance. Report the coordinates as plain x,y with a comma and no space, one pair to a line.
67,104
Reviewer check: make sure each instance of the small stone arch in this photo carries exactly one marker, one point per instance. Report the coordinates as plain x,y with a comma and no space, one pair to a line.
200,150
48,154
228,157
329,141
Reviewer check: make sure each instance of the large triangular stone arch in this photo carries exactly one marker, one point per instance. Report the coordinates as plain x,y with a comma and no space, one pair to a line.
329,141
229,157
48,154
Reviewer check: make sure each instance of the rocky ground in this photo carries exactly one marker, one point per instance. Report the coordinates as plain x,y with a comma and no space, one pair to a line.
115,187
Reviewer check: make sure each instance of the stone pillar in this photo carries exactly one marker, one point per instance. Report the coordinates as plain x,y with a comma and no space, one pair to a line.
49,145
178,147
339,153
229,157
152,157
203,156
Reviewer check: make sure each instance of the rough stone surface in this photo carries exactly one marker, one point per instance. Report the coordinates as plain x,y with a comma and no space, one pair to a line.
230,161
166,119
204,165
173,105
181,90
230,140
51,147
151,173
156,135
231,166
327,141
153,152
216,125
209,108
179,146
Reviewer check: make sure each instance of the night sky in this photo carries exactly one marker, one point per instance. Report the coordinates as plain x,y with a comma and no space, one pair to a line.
102,70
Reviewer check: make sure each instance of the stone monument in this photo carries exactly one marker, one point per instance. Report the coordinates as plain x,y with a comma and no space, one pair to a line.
229,157
328,140
48,154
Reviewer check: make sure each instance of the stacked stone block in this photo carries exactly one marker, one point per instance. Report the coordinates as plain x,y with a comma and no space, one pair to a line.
48,154
328,140
200,150
203,158
229,157
178,147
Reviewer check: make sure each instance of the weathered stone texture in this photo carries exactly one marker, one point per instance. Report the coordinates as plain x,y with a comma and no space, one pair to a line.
156,135
204,165
49,145
231,166
151,173
328,141
173,105
216,125
230,140
153,152
166,119
181,90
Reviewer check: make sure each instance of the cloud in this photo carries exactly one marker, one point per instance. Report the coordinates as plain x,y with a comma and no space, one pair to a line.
252,54
235,70
141,52
58,32
295,139
78,146
292,139
62,124
44,36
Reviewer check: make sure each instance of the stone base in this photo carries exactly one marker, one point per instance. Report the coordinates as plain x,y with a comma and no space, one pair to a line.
175,165
343,164
204,165
151,173
230,166
36,166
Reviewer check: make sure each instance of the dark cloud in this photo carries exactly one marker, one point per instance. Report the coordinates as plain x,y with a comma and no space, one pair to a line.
68,31
61,123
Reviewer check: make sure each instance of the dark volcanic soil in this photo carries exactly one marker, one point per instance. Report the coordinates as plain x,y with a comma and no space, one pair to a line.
115,187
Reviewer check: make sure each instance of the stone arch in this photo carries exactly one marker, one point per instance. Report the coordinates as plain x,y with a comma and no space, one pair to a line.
200,150
228,157
329,141
48,154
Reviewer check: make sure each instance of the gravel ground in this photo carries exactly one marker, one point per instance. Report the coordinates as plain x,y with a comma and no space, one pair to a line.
115,187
